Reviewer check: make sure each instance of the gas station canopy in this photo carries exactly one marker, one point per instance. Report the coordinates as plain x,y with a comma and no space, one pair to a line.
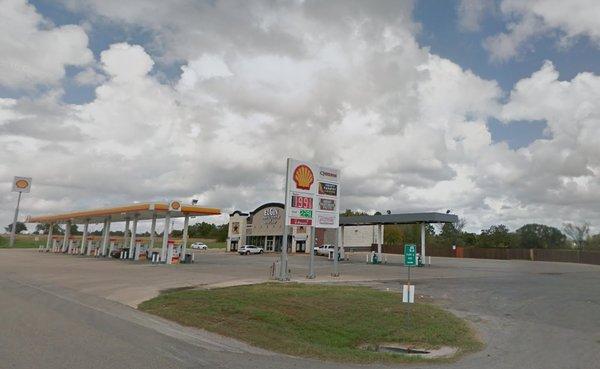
143,211
406,218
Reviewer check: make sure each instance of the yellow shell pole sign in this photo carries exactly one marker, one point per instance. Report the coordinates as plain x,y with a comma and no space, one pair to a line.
21,184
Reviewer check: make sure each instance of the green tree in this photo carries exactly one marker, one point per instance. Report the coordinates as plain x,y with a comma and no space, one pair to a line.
43,228
577,233
20,227
539,236
393,235
350,213
496,236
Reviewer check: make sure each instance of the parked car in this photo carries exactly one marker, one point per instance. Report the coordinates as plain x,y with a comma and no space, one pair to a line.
199,246
324,250
250,249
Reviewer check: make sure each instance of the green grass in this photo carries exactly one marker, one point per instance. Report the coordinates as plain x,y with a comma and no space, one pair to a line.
21,243
216,245
319,321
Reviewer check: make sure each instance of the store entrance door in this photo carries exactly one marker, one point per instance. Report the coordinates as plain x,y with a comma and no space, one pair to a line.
269,244
300,246
234,246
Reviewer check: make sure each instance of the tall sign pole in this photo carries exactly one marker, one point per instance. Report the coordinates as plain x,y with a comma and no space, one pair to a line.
283,267
20,185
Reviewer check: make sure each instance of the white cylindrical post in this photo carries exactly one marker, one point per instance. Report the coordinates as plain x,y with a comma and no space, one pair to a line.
163,250
423,242
152,232
336,272
132,244
311,256
84,237
126,234
65,246
343,251
379,241
186,223
13,230
49,240
105,242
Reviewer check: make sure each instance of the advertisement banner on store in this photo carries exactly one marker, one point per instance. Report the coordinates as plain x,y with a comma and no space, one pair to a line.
312,195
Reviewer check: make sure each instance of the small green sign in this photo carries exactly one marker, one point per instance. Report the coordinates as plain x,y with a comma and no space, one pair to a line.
306,213
410,254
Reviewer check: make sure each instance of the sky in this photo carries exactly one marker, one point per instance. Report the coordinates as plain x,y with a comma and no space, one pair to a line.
488,108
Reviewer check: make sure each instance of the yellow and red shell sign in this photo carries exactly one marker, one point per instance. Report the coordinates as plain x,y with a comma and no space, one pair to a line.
22,183
303,177
175,205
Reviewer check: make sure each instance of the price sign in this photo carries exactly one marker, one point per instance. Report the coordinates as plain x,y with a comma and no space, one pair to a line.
302,202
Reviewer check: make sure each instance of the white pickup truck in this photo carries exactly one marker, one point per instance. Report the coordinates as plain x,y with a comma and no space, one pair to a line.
324,250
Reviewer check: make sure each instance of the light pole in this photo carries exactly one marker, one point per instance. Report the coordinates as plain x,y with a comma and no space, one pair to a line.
20,185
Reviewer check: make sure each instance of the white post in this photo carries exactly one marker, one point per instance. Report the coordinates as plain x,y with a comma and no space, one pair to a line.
100,245
342,242
311,256
106,236
65,246
423,242
283,264
165,241
336,272
379,241
126,234
152,232
13,230
84,237
133,254
48,242
186,223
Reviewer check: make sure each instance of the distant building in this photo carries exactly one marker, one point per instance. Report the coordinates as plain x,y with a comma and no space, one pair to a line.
264,227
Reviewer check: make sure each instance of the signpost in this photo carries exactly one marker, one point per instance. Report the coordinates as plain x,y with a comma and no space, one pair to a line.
312,197
410,260
20,185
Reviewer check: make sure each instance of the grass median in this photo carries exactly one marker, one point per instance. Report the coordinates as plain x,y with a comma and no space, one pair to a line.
319,321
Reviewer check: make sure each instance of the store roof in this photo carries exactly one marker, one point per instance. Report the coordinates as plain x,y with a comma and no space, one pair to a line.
407,218
144,211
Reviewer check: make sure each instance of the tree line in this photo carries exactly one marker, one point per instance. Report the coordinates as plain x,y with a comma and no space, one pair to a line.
198,230
529,236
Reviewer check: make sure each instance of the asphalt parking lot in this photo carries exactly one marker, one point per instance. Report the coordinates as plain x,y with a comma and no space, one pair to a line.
63,311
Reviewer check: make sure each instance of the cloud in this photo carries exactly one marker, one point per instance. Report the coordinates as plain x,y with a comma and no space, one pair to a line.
471,13
34,52
539,18
352,89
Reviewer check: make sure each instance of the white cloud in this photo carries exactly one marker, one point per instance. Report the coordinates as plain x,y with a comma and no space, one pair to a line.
35,52
537,18
471,13
354,90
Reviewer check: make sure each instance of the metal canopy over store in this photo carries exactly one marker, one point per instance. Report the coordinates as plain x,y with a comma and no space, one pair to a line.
127,213
407,218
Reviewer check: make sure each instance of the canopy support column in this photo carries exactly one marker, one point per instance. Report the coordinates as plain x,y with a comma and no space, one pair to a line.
126,235
186,223
106,239
152,232
84,237
134,253
423,242
49,240
165,240
379,240
65,246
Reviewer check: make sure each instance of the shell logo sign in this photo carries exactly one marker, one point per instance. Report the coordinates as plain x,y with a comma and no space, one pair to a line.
303,177
21,184
175,206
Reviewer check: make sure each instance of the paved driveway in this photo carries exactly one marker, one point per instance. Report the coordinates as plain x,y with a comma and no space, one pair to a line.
60,311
